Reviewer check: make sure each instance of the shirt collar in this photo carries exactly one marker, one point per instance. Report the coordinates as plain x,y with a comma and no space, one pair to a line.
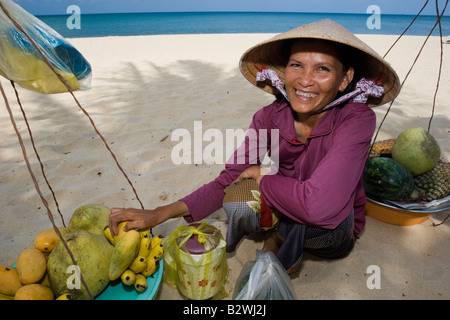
283,120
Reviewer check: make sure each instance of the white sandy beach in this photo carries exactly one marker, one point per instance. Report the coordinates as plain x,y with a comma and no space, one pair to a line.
144,88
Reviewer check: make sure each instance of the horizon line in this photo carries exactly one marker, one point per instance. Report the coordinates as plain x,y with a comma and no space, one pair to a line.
282,12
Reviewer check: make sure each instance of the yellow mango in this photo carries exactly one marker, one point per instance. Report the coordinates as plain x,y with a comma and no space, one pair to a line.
34,291
9,280
32,73
47,239
31,265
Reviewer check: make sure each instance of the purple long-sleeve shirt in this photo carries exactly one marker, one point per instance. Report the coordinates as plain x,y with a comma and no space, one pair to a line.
318,182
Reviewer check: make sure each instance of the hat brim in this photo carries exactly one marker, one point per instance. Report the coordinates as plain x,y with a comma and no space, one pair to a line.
370,64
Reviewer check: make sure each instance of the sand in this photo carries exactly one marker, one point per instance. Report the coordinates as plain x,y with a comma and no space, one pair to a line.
146,87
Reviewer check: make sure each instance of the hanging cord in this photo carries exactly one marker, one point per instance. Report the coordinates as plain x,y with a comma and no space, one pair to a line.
409,71
77,102
437,87
36,152
440,65
44,201
395,42
36,185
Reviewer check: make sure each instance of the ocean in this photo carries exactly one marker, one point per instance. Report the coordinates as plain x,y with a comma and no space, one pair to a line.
128,24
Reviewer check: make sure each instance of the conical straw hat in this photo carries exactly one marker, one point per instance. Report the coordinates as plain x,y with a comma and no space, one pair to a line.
270,55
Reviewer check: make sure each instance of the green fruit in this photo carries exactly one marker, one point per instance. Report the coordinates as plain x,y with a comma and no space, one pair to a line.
385,179
91,217
92,253
416,150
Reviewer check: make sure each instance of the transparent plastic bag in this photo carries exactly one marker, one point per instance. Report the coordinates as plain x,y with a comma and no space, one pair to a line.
195,261
21,62
263,279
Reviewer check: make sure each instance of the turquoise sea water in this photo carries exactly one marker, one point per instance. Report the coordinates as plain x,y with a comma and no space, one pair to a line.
125,24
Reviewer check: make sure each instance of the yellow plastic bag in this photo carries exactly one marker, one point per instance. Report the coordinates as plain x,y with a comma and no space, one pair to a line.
197,275
21,61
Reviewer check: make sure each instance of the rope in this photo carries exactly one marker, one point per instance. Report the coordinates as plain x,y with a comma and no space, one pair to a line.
440,65
36,185
24,153
44,201
36,152
77,102
439,16
395,42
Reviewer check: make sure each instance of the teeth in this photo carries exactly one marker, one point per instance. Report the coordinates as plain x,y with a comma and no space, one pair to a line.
305,94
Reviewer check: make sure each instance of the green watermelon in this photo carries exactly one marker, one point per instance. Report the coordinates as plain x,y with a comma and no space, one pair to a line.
386,179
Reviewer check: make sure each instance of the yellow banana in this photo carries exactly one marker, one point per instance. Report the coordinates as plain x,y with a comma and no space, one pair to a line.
140,283
138,264
108,235
144,249
128,277
156,252
120,231
124,253
64,296
145,233
156,241
6,297
152,266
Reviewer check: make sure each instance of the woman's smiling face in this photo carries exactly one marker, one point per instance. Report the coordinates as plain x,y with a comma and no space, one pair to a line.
314,75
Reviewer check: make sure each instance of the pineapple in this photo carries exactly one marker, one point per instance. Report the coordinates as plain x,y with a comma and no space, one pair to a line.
382,147
434,184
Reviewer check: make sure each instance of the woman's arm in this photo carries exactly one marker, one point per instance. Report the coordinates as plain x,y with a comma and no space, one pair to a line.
142,219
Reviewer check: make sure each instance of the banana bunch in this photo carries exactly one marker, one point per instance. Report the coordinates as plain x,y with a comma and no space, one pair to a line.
135,256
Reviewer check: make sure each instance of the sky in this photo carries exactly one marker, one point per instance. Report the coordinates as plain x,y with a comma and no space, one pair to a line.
48,7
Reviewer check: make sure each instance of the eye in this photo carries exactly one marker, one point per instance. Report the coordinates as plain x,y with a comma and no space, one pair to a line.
294,65
323,69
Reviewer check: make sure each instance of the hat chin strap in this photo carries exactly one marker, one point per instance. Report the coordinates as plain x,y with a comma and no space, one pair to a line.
364,89
269,74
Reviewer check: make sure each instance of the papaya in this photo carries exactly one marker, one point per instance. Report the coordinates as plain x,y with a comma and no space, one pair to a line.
90,217
9,280
31,265
92,252
47,239
34,291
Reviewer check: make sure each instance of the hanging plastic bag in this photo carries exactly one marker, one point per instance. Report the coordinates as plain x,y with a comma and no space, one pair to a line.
195,261
263,279
21,62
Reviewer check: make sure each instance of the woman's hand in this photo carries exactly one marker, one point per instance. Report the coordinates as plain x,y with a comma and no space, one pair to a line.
142,219
136,218
253,172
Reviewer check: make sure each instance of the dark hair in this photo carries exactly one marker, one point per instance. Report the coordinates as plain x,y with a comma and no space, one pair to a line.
347,56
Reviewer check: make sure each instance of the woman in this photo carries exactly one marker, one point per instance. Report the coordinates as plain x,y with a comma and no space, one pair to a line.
312,198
